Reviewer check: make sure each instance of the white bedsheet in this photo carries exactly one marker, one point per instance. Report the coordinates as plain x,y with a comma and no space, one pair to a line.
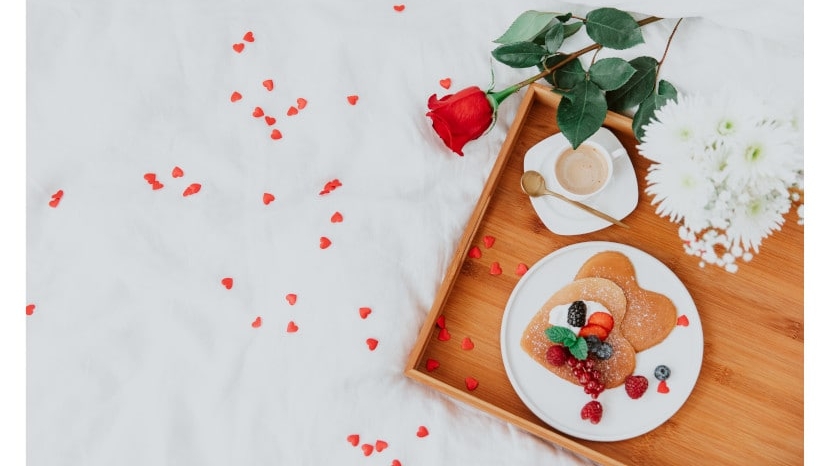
138,354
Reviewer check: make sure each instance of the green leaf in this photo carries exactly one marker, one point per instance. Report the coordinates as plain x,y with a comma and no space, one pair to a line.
554,37
613,28
579,349
569,75
637,88
610,73
570,29
565,18
558,334
665,93
581,112
550,62
526,27
520,54
666,88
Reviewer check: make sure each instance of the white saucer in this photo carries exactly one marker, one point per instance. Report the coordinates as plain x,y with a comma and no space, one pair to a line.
618,199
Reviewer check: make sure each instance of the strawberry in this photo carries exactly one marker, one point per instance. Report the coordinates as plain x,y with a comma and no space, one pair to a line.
635,386
557,355
592,411
594,329
603,319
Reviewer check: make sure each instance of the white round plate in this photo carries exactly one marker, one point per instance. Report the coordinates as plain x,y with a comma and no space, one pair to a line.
559,402
618,199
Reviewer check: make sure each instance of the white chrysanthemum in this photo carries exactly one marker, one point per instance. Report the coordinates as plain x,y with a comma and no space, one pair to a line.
757,219
734,111
681,190
763,151
675,129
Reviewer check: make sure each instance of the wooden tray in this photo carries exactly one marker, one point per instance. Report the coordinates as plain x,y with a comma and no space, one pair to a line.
748,404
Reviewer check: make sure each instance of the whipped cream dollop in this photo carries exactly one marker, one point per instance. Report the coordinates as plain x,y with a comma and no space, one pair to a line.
559,314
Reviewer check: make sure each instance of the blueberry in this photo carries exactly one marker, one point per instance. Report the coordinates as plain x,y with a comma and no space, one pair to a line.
662,372
604,351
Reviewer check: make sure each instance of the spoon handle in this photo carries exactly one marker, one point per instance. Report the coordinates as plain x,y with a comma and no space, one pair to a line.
590,209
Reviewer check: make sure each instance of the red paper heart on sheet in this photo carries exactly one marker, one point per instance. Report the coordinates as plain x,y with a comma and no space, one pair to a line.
58,194
177,172
495,268
238,48
441,321
399,8
269,84
364,312
432,364
683,321
396,463
444,335
276,134
292,110
248,37
488,241
257,322
54,202
236,96
324,242
291,327
267,198
192,189
258,112
380,445
475,252
150,177
354,439
352,99
471,383
301,103
367,449
662,387
422,432
227,282
372,343
337,217
269,120
291,298
467,344
157,185
445,83
30,309
521,269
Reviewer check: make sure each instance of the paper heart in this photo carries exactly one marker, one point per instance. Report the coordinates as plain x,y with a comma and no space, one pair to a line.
471,383
337,217
235,96
301,103
257,322
422,432
58,194
354,439
248,37
227,282
267,198
441,321
276,134
258,112
380,445
396,463
432,364
292,327
30,309
364,312
475,252
292,110
662,387
150,177
495,269
157,185
54,202
269,84
324,242
444,335
238,48
488,241
352,99
521,269
683,321
445,83
467,344
269,120
399,8
177,172
192,189
371,343
367,449
291,298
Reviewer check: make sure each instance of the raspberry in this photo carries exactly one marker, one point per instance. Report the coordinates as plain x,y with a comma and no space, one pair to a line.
662,372
592,411
576,313
635,386
557,355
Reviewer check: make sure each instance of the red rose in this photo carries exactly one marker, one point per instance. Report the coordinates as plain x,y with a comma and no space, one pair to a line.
459,118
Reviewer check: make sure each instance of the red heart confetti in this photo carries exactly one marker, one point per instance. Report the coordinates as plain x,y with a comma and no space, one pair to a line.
467,344
364,312
292,110
432,365
324,242
227,282
257,322
292,327
192,189
380,445
662,387
301,103
352,99
337,217
258,112
372,343
150,177
248,37
354,439
157,185
441,321
475,252
54,202
422,432
488,241
367,449
396,463
291,298
269,120
236,96
521,269
267,198
238,48
330,186
683,321
30,309
445,83
399,8
177,172
444,335
495,269
276,134
471,383
269,84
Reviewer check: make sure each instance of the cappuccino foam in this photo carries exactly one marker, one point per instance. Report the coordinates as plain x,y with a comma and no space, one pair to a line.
582,171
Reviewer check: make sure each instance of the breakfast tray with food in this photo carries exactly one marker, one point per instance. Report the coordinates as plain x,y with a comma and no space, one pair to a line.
610,341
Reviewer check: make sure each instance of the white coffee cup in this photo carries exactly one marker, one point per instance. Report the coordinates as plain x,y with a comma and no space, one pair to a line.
585,171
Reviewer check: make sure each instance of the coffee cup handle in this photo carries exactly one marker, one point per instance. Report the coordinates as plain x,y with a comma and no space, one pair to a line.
619,152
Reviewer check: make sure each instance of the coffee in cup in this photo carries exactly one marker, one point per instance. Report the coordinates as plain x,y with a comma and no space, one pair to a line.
584,171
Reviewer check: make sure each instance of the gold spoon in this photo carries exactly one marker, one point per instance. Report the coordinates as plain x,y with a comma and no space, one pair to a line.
533,184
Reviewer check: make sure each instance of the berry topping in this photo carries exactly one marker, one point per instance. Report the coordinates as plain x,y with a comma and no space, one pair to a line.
593,329
557,355
662,372
603,351
576,314
635,386
592,411
603,319
593,342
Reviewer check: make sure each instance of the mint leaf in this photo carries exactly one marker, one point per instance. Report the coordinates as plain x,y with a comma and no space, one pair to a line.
610,73
527,27
613,28
581,112
520,54
579,349
558,334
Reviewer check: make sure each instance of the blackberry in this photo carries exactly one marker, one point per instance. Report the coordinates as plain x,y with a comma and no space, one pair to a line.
576,314
604,351
662,372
